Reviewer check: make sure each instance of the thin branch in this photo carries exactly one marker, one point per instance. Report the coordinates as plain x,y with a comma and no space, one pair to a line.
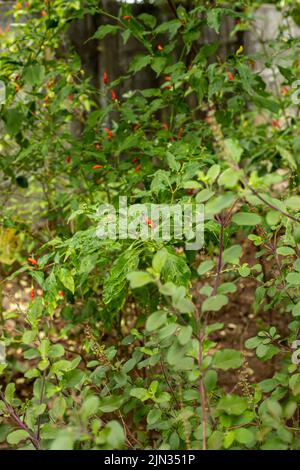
272,206
201,387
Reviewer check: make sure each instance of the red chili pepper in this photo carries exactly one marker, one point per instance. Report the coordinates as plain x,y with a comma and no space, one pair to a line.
109,132
127,17
230,76
68,159
150,222
105,78
160,47
275,123
61,294
134,160
137,169
285,90
113,95
96,167
190,192
167,78
43,13
32,294
32,261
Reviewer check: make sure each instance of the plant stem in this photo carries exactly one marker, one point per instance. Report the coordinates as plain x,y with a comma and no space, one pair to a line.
201,382
219,268
286,214
17,420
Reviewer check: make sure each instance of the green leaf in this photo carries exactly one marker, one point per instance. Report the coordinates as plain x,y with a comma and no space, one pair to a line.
214,303
213,173
110,403
104,30
176,353
170,27
233,150
217,204
293,203
227,288
63,441
159,260
214,19
285,251
114,285
176,270
139,279
153,416
244,270
10,392
244,436
204,195
90,407
228,439
215,440
156,320
140,393
185,334
158,64
246,218
296,310
205,267
173,164
139,62
210,380
267,103
74,378
287,156
35,310
293,278
59,407
253,342
116,436
66,279
148,20
227,359
34,74
14,119
231,255
56,350
229,178
232,404
17,436
184,306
